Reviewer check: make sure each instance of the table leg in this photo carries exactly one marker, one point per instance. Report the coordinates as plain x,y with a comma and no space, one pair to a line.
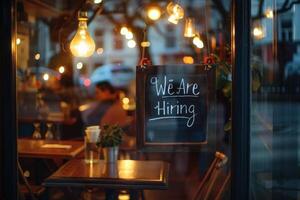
111,194
134,194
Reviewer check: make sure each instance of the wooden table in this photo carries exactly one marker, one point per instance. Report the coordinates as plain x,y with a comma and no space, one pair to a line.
130,174
32,148
125,174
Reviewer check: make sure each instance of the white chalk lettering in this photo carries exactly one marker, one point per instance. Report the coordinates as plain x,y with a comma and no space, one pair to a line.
165,109
174,88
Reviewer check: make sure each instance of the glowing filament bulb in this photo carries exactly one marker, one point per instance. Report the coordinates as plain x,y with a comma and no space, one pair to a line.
258,32
173,19
198,42
82,45
154,13
175,12
189,28
269,13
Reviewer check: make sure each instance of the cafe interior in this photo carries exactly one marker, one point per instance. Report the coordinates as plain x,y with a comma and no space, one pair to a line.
136,99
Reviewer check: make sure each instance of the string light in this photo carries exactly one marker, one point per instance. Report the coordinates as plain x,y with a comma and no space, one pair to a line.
131,43
129,35
123,30
269,13
99,51
82,45
145,44
258,32
97,1
61,69
189,28
46,77
79,65
37,56
18,41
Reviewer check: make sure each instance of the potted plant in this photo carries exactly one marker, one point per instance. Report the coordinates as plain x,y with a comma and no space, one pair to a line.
110,139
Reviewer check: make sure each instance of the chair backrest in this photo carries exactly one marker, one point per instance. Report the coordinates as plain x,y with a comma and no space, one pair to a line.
24,179
215,180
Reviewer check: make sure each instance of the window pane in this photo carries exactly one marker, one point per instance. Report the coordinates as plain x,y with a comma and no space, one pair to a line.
275,96
76,70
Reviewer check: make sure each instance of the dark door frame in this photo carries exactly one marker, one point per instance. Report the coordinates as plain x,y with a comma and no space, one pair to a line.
241,93
8,122
240,100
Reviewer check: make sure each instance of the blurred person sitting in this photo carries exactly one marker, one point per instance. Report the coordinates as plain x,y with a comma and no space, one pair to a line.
108,108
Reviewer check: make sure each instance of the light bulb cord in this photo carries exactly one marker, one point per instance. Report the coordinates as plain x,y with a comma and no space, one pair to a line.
144,39
206,28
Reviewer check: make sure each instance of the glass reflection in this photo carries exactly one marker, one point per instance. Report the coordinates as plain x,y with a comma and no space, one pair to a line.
275,86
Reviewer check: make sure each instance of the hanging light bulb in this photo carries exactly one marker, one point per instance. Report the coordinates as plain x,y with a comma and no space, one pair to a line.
258,32
153,12
269,13
189,28
173,19
175,11
198,42
82,45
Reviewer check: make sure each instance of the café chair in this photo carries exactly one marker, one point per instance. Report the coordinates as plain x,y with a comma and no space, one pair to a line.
215,181
27,191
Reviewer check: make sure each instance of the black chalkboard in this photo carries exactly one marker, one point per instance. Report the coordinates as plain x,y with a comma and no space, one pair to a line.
172,103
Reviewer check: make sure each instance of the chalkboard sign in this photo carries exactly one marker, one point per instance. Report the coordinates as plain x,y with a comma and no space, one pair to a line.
172,103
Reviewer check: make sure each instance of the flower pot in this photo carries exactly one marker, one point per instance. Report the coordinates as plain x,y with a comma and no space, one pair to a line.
110,154
110,170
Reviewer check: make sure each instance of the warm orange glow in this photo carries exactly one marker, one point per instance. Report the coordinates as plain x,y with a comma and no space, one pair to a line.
37,56
258,32
18,41
99,51
269,13
126,169
198,42
213,41
173,19
154,13
123,197
189,28
82,45
175,11
188,60
145,44
125,100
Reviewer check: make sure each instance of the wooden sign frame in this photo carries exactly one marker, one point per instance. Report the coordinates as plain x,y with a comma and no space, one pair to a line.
141,78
